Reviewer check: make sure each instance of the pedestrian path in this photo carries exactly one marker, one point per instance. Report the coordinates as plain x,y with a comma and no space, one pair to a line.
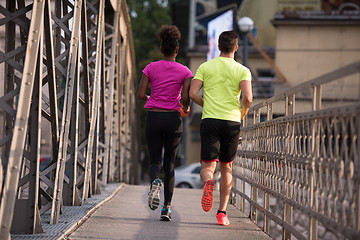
72,216
127,216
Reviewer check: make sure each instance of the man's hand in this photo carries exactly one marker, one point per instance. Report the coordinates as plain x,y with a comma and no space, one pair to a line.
244,112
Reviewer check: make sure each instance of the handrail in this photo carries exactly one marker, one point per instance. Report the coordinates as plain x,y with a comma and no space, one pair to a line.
305,165
323,79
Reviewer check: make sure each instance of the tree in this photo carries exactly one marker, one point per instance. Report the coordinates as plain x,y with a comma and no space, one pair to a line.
146,19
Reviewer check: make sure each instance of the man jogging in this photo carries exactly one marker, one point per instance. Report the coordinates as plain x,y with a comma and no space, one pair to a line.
223,80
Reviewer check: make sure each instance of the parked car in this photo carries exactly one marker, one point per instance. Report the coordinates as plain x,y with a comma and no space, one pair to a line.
44,162
188,176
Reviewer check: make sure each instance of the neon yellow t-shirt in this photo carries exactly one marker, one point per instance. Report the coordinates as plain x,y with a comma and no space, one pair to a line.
221,79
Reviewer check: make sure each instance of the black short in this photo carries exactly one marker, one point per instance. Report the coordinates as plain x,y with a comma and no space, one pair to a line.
219,140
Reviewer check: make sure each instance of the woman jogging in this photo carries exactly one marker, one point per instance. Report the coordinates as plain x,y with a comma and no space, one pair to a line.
170,83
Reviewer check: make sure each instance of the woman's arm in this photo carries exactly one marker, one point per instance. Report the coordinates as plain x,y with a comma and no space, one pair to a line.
185,100
142,88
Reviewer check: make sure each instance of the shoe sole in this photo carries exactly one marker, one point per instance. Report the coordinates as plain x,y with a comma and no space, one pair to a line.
165,218
207,198
223,221
154,197
224,224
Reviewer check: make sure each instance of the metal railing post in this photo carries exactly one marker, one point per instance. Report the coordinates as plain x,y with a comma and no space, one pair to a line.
288,210
269,116
243,143
316,105
254,190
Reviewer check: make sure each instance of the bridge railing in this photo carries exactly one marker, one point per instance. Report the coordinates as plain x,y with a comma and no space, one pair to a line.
69,80
297,170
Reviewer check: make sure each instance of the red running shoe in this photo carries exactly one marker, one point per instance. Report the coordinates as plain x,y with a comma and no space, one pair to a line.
207,197
222,219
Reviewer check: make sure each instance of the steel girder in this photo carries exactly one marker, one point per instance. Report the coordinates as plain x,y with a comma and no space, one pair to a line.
71,66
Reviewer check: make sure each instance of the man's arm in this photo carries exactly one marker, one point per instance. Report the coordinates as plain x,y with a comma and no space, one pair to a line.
195,87
247,97
185,100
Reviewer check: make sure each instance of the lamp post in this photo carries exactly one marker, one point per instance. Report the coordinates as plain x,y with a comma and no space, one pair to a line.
192,16
246,24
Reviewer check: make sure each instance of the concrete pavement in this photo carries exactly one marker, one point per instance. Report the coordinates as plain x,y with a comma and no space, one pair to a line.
127,216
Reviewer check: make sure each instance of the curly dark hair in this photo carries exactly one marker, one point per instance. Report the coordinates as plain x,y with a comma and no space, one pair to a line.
169,39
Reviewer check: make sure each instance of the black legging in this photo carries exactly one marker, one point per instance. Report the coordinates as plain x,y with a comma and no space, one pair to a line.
163,130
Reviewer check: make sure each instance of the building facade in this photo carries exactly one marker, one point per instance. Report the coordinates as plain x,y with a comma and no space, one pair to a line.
304,39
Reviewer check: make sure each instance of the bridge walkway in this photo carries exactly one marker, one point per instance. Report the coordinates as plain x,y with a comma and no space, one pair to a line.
127,216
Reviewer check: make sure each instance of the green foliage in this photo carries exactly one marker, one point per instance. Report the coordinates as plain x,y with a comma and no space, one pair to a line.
146,19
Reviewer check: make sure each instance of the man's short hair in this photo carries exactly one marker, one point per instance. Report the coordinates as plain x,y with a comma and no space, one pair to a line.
228,41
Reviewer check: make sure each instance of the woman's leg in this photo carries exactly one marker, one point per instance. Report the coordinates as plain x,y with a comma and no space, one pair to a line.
154,138
173,133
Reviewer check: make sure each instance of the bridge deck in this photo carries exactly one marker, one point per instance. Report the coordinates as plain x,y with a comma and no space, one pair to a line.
127,216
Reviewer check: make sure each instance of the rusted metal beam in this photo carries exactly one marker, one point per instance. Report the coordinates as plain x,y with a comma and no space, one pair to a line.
35,91
21,122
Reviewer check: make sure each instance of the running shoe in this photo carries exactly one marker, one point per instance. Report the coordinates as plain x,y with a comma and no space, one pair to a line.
222,219
165,214
207,197
154,194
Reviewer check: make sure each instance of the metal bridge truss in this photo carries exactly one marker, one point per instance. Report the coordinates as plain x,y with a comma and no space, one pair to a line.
306,165
69,64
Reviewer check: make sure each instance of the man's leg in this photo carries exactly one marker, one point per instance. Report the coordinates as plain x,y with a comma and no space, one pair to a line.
225,188
225,184
228,149
207,171
210,146
207,174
